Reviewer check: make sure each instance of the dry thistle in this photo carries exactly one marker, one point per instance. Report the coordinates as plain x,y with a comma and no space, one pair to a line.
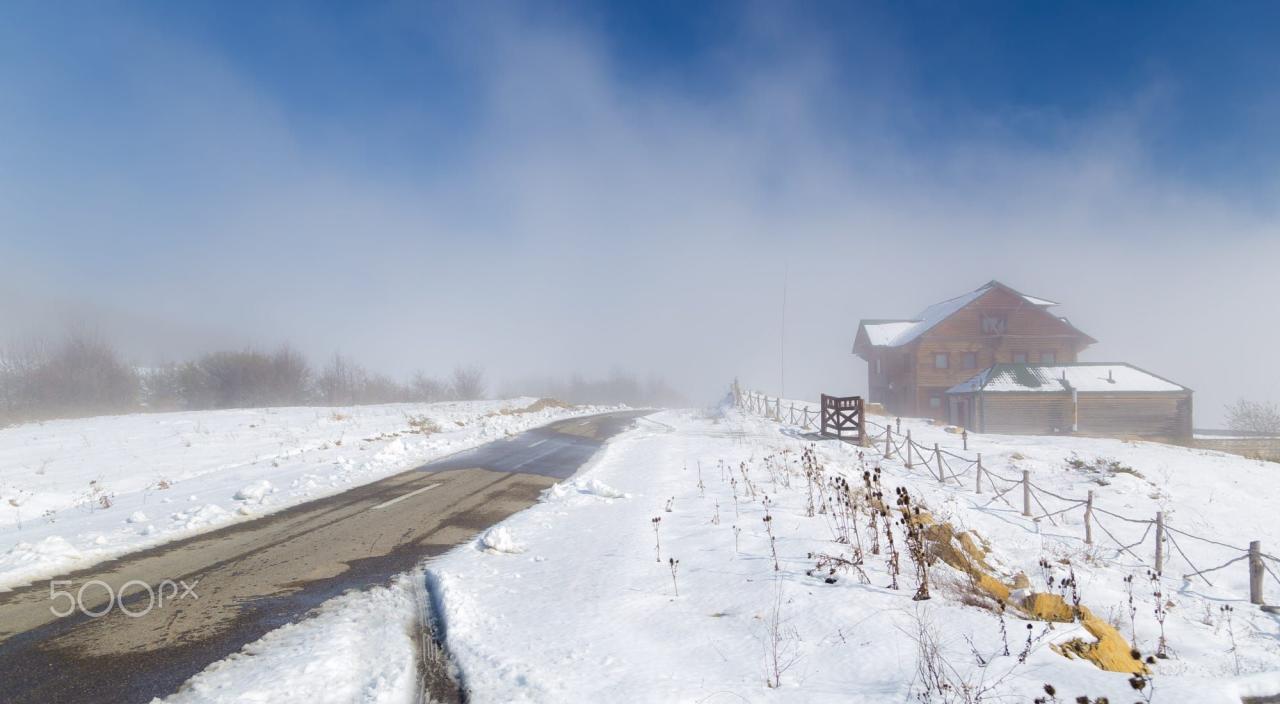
656,521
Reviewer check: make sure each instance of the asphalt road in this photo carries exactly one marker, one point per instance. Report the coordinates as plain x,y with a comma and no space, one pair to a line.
256,576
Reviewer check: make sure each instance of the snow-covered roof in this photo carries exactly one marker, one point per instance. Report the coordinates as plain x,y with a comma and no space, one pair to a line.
884,333
1084,377
895,333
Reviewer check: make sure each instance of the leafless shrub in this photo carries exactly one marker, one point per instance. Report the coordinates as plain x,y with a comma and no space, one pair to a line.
768,526
82,375
828,566
917,546
1160,610
782,647
963,587
342,381
467,383
1254,417
245,379
1227,613
423,425
939,681
97,496
425,389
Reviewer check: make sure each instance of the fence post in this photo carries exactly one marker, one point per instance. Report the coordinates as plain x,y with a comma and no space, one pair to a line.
977,476
941,477
1255,572
910,454
1159,541
964,436
888,442
898,422
1088,519
1026,492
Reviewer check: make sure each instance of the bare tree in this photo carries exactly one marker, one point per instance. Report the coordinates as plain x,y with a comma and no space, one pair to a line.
342,381
290,378
426,389
467,384
1254,417
82,376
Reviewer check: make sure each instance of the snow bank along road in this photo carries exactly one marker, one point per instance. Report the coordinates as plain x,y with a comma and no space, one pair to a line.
253,577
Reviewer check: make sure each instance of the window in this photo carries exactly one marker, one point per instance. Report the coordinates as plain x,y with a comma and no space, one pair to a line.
970,360
1048,358
935,402
941,360
1019,357
878,369
993,324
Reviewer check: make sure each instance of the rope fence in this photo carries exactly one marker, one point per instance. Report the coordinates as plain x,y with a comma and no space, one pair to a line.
948,465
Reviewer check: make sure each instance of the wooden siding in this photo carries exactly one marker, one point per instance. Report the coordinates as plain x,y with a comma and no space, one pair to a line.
1030,413
894,385
1144,415
1108,415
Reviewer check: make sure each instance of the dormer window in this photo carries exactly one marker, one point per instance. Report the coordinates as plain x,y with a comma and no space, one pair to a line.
994,324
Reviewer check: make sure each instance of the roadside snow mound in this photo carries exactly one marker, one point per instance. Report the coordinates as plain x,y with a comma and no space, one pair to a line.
595,487
255,491
499,539
358,647
584,487
51,548
202,516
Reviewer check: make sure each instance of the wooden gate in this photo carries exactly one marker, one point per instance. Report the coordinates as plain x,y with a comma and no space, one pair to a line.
843,414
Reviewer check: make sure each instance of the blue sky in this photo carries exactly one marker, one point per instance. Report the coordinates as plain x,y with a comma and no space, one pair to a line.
418,183
1203,74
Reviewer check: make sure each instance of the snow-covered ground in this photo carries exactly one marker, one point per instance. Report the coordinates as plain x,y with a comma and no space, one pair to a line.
584,605
75,492
575,599
359,647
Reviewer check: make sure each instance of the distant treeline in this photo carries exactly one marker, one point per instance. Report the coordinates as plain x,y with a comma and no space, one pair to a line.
83,375
618,387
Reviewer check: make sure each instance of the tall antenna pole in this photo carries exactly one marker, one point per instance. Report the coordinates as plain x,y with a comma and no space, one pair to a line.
782,337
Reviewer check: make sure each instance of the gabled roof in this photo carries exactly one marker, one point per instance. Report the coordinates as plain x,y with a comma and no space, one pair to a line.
896,333
1083,377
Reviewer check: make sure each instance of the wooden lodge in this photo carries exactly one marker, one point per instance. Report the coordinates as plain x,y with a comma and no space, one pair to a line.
961,361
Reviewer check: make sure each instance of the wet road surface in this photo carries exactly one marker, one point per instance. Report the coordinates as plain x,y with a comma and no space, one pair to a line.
256,576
